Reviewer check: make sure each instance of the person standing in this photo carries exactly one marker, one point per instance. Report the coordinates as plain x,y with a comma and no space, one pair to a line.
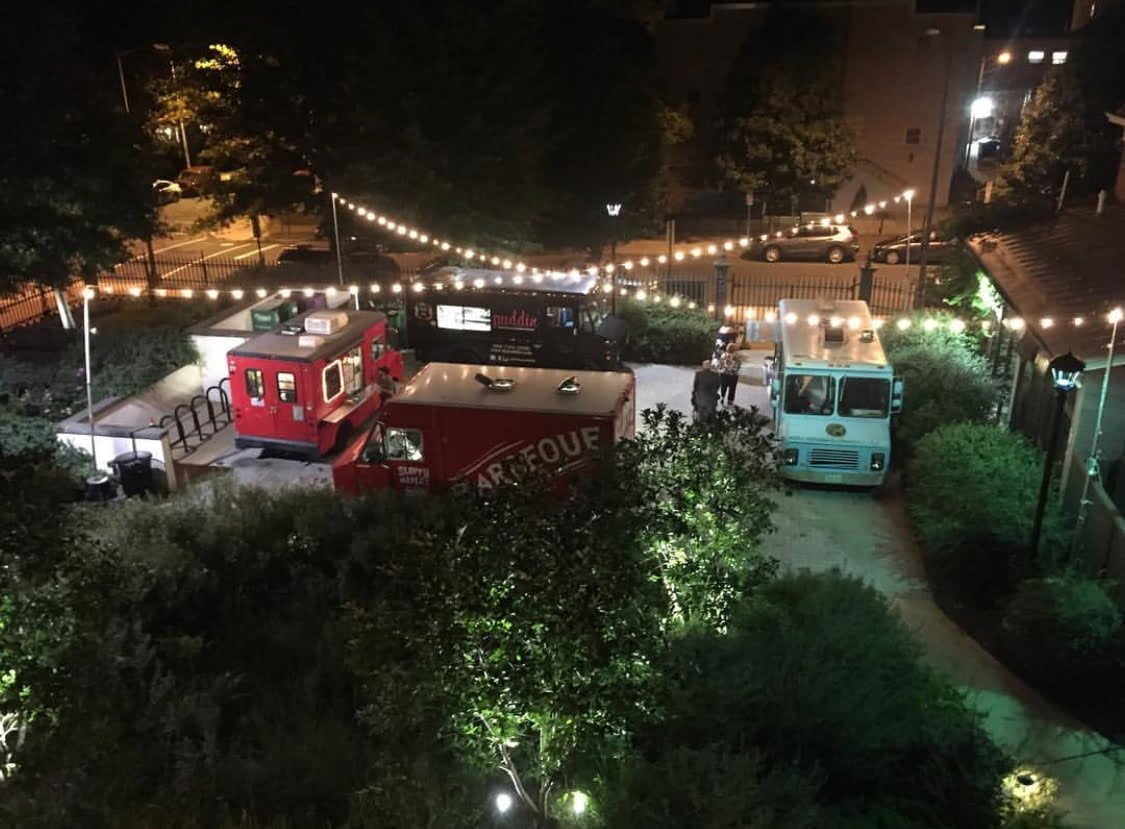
387,385
705,391
728,366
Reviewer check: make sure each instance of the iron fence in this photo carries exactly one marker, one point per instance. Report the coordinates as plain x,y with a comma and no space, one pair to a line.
751,296
34,303
201,271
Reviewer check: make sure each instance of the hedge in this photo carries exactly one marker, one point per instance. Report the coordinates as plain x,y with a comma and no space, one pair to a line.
662,334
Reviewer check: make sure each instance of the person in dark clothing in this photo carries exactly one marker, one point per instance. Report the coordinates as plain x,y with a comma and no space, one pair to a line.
705,391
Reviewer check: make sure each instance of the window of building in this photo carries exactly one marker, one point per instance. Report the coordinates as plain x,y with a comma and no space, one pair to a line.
1058,57
464,318
286,387
255,384
914,135
404,445
332,380
378,349
1036,56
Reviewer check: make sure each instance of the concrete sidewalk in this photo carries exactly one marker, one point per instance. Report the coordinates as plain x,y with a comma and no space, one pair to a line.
870,537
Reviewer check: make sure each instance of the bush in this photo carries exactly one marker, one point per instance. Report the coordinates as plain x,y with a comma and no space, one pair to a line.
946,381
971,481
818,675
1068,616
662,334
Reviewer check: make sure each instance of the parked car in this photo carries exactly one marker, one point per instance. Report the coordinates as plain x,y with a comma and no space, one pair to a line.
166,191
816,242
360,261
195,180
893,251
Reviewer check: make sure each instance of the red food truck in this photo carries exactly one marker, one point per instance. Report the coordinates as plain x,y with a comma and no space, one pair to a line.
307,385
454,425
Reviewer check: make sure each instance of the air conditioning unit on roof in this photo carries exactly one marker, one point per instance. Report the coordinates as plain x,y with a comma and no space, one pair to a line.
325,322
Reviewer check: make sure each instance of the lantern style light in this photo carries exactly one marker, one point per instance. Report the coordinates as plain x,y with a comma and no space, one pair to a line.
1066,371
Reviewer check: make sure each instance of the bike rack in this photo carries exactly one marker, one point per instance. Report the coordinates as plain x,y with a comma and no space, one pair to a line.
216,417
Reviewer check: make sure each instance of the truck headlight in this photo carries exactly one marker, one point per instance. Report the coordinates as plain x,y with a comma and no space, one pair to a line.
789,456
878,461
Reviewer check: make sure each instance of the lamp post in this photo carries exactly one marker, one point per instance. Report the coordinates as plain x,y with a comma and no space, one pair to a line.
336,237
1093,463
932,32
613,210
909,196
980,109
1065,372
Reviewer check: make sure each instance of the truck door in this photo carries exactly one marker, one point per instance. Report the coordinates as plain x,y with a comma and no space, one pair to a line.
560,335
290,416
371,468
256,416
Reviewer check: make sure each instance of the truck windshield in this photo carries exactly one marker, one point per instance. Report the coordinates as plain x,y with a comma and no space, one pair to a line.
813,394
864,397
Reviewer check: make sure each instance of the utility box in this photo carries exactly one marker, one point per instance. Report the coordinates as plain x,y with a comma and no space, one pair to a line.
270,315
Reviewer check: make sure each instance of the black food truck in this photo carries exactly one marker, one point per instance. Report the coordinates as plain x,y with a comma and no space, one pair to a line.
468,315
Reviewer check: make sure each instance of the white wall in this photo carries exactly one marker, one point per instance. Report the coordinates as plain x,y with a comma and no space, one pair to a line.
109,447
213,350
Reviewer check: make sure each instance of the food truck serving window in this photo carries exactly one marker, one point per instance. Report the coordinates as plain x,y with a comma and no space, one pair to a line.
352,363
561,316
255,384
286,387
464,318
333,380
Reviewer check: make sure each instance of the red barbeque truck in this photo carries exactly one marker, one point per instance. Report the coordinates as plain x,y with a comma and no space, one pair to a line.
306,386
453,425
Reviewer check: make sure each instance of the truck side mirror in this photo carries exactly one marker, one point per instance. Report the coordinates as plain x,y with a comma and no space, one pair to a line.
896,395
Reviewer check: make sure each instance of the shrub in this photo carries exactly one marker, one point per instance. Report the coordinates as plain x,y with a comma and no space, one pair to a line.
821,677
1068,615
662,334
946,381
969,481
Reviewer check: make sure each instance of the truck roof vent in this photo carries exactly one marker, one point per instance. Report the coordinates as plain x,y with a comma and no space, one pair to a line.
570,386
833,334
495,384
325,322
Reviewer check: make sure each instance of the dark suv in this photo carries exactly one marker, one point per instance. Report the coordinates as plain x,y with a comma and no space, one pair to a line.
356,260
815,242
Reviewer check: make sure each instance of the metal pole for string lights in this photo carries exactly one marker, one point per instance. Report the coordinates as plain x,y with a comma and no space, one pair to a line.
87,291
1065,371
336,236
613,211
1093,462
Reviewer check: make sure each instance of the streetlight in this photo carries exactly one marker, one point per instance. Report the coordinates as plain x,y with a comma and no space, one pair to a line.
1093,463
933,32
1065,372
979,109
159,47
613,210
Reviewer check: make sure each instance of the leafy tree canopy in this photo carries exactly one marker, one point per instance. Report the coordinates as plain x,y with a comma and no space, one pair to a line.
74,185
783,133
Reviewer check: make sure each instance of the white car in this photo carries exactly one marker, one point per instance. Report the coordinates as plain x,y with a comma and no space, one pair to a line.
166,191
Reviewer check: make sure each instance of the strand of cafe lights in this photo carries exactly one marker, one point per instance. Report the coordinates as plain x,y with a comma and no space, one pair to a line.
903,322
537,276
679,254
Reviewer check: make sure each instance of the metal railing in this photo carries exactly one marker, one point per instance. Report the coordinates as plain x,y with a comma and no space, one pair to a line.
34,303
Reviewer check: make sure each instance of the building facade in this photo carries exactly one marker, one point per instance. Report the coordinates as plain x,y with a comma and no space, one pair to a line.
895,67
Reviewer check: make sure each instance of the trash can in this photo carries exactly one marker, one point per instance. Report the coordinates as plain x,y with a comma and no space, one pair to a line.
135,471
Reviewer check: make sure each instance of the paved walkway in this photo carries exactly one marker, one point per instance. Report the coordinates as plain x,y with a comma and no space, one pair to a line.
870,537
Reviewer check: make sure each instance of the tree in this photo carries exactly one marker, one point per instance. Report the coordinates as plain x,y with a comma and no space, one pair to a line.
1052,139
782,131
73,183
